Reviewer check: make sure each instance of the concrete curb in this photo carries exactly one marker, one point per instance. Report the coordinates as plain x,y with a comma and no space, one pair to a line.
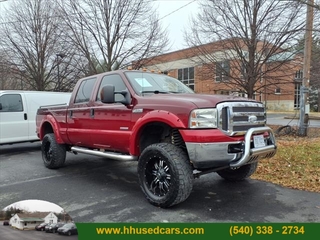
297,117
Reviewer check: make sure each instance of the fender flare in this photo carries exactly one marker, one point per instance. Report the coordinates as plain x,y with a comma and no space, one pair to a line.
52,121
154,116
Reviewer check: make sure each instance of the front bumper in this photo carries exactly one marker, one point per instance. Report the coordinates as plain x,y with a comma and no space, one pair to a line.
232,153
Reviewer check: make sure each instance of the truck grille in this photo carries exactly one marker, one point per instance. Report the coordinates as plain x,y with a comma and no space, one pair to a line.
235,118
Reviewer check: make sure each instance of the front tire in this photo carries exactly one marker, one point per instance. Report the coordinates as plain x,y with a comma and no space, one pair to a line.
53,154
165,174
238,174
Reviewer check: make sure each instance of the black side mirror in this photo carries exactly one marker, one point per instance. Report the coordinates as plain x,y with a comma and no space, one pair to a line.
127,97
107,94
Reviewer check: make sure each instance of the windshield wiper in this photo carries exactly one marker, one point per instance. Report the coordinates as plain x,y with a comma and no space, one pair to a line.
156,92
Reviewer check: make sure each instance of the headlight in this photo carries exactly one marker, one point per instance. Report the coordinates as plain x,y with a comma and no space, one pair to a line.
203,118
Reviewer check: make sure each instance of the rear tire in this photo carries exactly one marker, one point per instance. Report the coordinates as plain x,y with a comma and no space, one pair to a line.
165,174
53,154
238,174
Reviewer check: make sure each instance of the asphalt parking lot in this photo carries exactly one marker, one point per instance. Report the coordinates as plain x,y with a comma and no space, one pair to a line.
93,189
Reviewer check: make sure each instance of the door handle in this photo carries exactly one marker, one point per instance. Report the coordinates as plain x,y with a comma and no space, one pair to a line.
70,113
91,112
25,116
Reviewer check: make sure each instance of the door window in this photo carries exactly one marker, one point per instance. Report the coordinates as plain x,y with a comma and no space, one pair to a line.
118,84
85,90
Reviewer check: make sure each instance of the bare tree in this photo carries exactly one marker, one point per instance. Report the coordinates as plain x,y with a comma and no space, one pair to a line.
255,35
111,34
32,39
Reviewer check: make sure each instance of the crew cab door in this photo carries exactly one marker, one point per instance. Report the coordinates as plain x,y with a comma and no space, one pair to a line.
112,121
13,118
78,115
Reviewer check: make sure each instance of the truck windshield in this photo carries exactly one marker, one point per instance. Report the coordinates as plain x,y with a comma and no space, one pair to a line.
152,83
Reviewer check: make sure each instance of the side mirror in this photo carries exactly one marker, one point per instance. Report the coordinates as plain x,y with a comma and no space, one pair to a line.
107,94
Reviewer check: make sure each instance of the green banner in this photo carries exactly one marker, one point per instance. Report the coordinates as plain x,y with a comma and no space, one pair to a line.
203,231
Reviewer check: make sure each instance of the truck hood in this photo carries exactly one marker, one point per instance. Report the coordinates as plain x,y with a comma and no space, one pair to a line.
199,100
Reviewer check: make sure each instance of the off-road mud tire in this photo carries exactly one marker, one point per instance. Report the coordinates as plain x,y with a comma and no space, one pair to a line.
165,174
53,154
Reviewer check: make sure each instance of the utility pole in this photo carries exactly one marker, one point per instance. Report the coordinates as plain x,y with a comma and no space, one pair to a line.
59,55
304,90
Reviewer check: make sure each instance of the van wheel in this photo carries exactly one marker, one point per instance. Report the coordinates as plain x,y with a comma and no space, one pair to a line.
53,154
165,174
239,173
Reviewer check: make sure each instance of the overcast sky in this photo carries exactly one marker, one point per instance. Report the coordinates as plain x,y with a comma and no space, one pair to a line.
36,206
174,15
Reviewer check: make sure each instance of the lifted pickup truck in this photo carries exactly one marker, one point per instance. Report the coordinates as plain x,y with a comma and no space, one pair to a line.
173,133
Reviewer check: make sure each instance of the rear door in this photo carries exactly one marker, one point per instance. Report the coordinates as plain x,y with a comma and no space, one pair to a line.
78,115
13,118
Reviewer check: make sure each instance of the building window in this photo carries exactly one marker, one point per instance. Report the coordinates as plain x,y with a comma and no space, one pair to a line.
239,94
243,72
222,92
277,91
186,76
258,96
299,75
222,71
297,87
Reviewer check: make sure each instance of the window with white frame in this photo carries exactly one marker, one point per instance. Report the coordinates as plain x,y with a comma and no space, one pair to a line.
299,74
222,71
297,87
243,72
186,76
222,92
258,96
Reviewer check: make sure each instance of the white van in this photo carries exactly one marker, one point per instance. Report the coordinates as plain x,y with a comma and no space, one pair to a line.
18,111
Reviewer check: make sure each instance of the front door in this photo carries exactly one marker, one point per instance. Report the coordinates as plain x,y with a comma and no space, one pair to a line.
112,122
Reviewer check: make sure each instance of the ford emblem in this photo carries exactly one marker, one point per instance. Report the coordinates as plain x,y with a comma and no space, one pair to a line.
252,118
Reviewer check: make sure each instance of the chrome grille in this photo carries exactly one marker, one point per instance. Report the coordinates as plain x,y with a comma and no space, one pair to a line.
235,118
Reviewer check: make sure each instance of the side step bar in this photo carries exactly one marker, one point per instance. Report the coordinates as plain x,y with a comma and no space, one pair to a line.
111,155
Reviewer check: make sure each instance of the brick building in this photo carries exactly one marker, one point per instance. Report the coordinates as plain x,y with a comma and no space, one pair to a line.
216,68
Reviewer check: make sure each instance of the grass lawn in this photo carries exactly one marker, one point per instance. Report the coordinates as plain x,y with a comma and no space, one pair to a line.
296,164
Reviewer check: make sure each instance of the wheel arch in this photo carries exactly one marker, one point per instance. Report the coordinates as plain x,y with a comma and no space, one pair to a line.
50,125
160,124
157,132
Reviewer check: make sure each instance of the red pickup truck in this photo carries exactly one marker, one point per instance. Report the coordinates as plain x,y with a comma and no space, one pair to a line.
174,134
